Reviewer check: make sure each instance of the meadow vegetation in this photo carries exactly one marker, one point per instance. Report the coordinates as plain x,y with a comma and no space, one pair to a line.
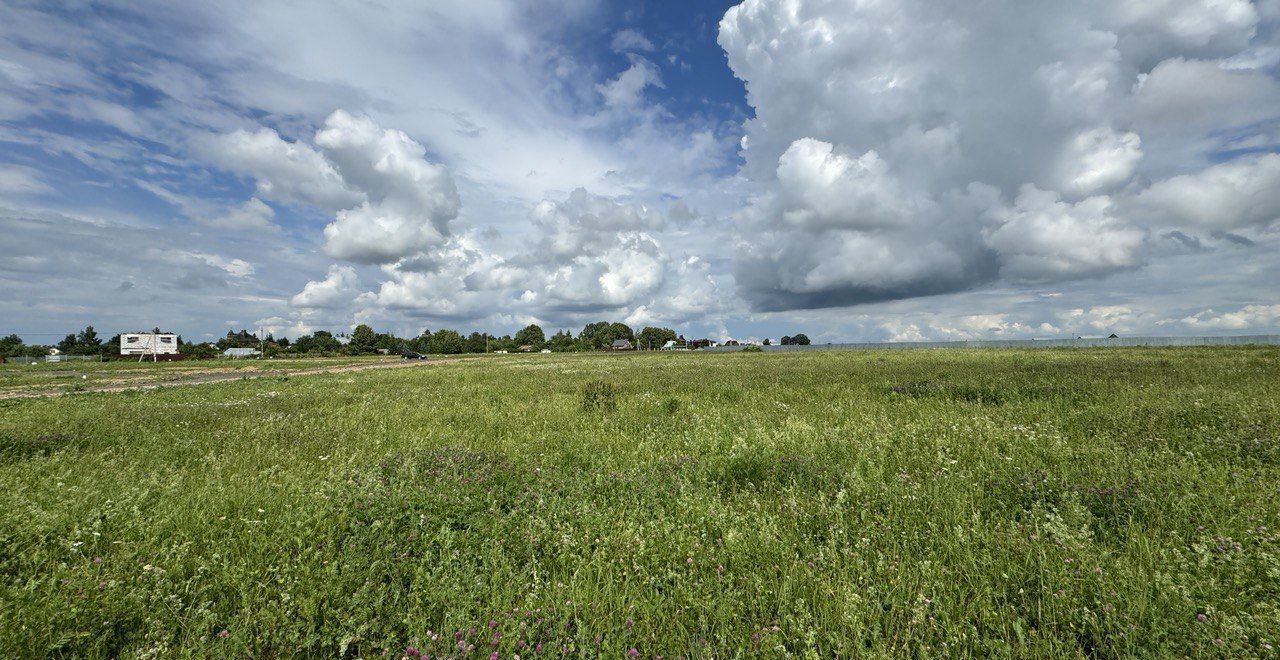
1018,503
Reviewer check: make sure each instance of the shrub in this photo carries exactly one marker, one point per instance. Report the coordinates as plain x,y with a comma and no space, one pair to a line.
599,396
752,349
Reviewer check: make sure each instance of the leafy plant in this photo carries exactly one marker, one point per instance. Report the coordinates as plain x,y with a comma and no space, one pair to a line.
599,396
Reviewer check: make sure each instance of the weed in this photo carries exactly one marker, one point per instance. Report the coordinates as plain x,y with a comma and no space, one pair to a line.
599,396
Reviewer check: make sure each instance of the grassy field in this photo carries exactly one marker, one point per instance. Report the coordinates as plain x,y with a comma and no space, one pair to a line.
1074,503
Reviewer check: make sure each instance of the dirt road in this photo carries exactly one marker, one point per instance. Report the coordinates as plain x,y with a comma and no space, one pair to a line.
202,377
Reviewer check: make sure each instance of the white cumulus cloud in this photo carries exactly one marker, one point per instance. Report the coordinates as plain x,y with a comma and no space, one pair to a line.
338,289
904,149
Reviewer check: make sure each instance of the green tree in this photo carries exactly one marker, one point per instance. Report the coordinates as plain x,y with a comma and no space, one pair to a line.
592,336
363,339
503,343
87,340
35,350
563,341
68,344
653,338
112,346
532,335
389,342
476,342
319,342
10,346
422,343
446,342
800,340
603,333
200,351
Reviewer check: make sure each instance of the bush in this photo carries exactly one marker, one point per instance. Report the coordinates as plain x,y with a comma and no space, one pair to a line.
752,349
599,396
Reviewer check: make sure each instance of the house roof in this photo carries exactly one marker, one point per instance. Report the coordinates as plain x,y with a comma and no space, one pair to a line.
620,343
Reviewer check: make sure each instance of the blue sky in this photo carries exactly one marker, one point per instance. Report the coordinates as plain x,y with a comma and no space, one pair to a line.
855,171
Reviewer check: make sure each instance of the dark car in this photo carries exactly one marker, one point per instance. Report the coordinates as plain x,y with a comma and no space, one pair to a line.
412,355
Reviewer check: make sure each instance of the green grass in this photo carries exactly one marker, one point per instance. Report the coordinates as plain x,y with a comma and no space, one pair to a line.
1073,503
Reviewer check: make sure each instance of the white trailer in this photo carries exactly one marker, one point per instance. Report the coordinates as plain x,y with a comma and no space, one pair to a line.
148,343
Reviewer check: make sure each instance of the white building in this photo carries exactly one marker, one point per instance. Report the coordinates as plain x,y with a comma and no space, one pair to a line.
148,343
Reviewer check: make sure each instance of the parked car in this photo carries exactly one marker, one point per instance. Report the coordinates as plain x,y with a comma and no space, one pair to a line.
412,355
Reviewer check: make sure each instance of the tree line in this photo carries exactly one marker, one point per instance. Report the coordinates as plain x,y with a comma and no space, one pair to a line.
365,340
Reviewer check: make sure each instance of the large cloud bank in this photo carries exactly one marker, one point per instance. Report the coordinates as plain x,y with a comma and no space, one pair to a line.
904,149
394,209
389,200
592,255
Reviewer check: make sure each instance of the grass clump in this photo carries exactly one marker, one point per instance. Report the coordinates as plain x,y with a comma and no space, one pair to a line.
599,396
14,449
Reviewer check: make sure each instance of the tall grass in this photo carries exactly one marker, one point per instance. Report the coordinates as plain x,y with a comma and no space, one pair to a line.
1077,503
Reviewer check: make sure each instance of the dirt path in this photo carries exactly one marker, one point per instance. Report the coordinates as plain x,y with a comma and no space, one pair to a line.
203,377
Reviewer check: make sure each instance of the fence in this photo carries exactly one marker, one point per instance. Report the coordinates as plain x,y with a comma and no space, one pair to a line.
54,358
1092,342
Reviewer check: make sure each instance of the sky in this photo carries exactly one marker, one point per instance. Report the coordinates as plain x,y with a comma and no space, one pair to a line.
857,170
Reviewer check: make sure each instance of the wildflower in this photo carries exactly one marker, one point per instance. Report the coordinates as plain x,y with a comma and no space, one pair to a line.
224,633
412,651
688,560
97,560
493,656
630,623
493,624
633,653
1201,617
